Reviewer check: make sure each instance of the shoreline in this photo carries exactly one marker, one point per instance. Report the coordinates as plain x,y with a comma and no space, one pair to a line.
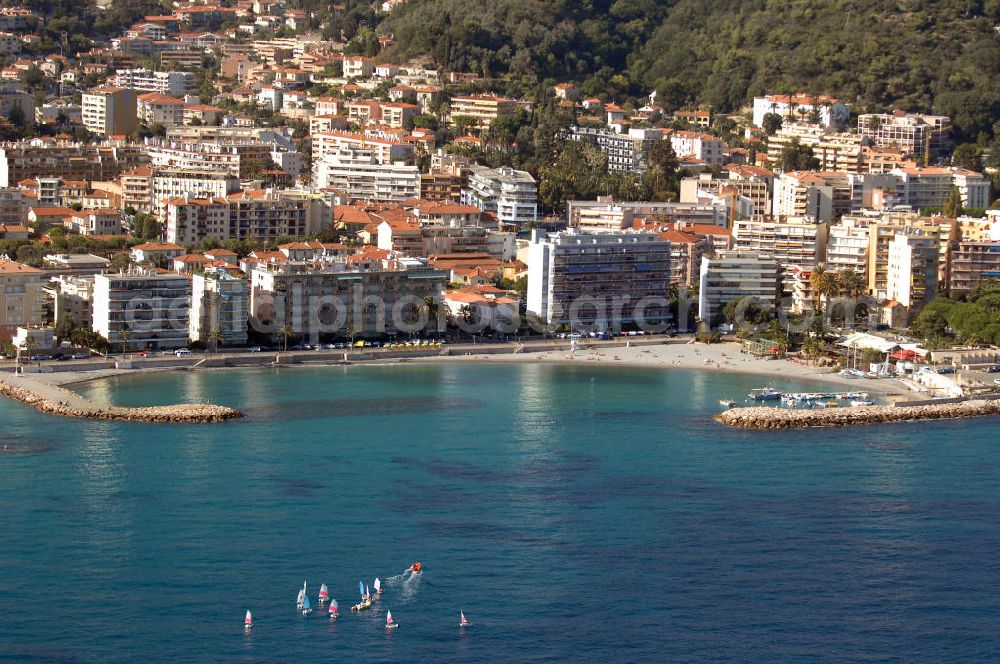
716,358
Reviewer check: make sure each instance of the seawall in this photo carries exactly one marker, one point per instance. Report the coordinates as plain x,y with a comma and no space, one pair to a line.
48,399
784,418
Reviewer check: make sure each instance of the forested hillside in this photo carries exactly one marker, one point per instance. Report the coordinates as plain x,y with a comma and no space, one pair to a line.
920,55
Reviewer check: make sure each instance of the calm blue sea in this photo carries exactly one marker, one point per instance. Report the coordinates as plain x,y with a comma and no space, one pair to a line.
576,514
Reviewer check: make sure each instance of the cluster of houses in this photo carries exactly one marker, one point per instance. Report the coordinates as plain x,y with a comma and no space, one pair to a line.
296,139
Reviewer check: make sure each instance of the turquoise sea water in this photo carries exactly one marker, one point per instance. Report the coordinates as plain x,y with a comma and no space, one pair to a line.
574,513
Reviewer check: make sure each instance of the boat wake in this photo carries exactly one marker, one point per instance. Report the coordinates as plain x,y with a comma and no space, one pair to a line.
408,584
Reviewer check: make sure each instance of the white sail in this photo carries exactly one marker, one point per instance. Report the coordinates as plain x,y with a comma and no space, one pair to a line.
249,618
377,585
388,617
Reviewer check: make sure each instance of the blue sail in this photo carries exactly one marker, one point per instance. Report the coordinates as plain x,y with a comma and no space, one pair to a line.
361,588
305,602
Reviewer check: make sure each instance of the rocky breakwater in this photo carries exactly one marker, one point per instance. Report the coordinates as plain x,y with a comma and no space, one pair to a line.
76,406
784,418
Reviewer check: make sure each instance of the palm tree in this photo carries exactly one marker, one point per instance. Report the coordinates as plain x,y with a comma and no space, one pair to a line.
216,337
29,344
286,331
851,282
823,284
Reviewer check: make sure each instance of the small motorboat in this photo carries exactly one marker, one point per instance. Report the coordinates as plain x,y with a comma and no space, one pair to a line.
334,609
462,620
306,608
416,568
765,394
831,404
862,402
324,594
727,403
389,622
248,622
363,605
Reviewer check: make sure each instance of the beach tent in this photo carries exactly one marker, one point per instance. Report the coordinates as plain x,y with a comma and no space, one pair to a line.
863,340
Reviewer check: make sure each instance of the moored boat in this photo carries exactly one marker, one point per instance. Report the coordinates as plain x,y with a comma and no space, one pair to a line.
862,402
765,394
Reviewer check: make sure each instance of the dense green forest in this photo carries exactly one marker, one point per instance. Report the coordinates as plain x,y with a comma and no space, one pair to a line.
940,56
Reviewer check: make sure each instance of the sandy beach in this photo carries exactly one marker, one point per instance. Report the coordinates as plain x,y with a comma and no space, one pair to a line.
725,357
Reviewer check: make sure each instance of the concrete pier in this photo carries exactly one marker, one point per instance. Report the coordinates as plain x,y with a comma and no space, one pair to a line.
786,418
57,400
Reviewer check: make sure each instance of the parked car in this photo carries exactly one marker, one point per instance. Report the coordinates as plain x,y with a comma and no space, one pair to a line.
183,352
80,356
254,349
994,369
39,358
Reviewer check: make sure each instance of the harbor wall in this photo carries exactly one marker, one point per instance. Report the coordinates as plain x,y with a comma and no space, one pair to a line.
76,406
785,418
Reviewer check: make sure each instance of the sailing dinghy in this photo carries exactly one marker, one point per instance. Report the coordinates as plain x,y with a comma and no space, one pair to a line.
324,594
462,620
248,622
389,623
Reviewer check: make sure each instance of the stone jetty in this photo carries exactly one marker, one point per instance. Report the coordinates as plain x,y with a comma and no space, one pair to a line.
785,418
74,405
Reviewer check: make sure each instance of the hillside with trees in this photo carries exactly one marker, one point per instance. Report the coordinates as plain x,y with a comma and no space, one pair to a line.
941,57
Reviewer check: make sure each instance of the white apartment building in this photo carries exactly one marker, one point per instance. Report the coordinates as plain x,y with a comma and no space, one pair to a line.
603,219
912,278
625,152
799,107
157,108
170,183
511,194
242,157
219,300
732,275
847,246
695,145
912,133
384,151
790,241
109,111
922,187
819,196
152,308
173,83
258,213
359,173
576,279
